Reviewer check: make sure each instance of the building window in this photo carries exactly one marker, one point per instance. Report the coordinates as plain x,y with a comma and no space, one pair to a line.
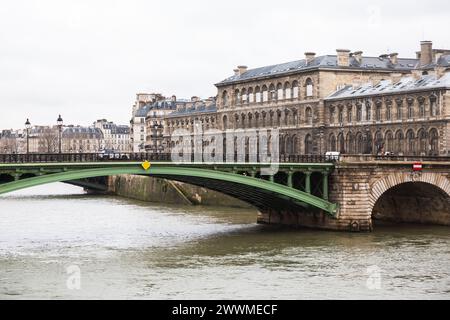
368,111
332,115
341,115
350,114
359,113
422,108
280,92
287,91
309,88
410,111
265,94
225,98
378,113
258,95
389,112
433,106
295,90
399,109
308,116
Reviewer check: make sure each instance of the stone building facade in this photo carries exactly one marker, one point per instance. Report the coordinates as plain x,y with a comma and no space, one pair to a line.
345,102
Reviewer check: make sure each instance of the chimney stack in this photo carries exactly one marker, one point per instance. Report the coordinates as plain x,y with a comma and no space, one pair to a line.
343,57
358,56
242,69
394,58
426,53
309,56
236,72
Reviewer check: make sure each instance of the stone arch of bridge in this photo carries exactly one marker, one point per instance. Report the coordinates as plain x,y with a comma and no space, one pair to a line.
391,181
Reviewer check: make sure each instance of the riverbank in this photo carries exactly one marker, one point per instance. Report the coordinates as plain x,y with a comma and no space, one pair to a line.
156,190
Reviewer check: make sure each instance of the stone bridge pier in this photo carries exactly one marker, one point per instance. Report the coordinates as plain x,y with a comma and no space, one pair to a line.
371,191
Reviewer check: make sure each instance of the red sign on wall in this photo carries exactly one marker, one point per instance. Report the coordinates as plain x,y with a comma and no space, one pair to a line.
418,166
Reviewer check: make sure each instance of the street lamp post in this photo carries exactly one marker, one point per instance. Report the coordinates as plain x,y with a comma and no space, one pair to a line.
60,123
28,127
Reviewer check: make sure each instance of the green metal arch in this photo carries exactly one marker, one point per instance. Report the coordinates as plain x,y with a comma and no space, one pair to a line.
173,171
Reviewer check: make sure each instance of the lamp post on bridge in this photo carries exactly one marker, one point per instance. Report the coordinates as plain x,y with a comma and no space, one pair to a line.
60,123
28,127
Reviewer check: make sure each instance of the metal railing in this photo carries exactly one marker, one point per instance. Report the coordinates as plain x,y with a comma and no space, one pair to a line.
152,157
166,157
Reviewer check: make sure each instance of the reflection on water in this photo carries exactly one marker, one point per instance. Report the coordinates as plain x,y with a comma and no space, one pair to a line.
129,249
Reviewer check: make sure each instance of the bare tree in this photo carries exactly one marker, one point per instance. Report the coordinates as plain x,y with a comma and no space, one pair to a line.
48,140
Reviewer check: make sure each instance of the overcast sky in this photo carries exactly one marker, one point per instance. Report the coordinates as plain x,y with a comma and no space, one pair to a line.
86,59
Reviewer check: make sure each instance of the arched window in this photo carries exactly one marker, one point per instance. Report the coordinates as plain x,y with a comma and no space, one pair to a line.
359,113
410,109
265,94
350,114
258,95
341,114
250,120
368,111
332,115
295,145
279,116
389,142
272,93
309,88
341,143
287,91
421,107
379,105
388,111
280,92
399,103
422,135
237,96
251,96
332,143
295,90
350,143
236,121
359,143
243,121
225,98
308,116
225,122
411,142
244,96
433,106
379,142
399,142
434,142
308,144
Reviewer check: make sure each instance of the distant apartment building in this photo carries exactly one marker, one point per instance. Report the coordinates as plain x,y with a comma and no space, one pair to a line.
116,138
78,139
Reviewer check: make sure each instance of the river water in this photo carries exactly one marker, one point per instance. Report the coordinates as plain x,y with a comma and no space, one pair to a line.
58,243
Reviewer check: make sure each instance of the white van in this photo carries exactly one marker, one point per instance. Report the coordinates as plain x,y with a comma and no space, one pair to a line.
332,156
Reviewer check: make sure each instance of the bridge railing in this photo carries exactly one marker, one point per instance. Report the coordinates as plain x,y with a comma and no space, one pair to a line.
396,158
124,157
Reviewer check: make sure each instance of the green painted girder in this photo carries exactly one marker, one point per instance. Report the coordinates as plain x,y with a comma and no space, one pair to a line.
69,172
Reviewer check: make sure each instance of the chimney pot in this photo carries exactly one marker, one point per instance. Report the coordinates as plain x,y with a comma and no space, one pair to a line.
394,58
343,57
242,69
310,56
426,53
358,56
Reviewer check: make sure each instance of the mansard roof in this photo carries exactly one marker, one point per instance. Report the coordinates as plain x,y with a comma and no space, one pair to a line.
323,62
406,84
197,108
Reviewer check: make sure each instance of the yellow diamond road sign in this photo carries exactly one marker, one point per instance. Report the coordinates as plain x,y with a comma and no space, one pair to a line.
146,165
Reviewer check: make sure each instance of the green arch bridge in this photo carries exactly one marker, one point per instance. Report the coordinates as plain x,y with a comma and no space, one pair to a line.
301,182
